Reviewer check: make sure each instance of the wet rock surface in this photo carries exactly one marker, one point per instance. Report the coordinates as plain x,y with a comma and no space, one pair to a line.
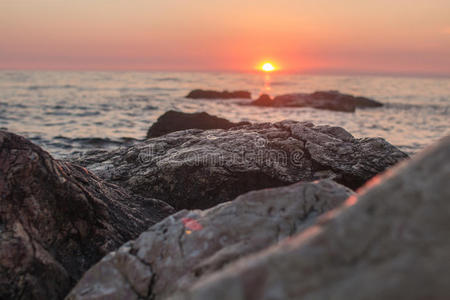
174,121
57,219
210,94
389,242
191,245
330,100
201,168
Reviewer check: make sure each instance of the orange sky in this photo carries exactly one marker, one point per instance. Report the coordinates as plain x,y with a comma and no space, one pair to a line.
316,35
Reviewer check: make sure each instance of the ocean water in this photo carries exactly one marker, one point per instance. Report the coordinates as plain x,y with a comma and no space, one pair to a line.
67,112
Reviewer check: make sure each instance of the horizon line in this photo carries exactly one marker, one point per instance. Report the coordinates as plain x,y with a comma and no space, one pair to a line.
321,72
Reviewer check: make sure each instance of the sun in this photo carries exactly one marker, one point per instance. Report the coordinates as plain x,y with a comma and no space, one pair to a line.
267,67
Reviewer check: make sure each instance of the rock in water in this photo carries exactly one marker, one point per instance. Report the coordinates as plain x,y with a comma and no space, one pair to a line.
208,94
190,245
392,244
331,100
201,168
263,100
57,219
174,121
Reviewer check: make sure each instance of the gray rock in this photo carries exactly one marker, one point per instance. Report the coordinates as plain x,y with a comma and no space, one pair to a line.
209,94
172,121
57,219
201,168
389,242
331,100
190,245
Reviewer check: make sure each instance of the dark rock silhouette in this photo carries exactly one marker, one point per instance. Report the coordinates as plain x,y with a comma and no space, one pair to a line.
210,94
392,244
174,121
57,219
263,100
331,100
190,245
201,168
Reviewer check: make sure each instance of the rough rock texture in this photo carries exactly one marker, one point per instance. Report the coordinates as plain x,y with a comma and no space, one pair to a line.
57,219
331,100
174,121
191,245
392,244
201,168
208,94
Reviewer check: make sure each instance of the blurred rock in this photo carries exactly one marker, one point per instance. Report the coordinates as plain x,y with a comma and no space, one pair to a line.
263,100
57,219
331,100
201,168
190,245
391,242
174,121
209,94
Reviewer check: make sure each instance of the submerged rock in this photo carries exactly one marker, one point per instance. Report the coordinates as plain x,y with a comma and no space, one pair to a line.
201,168
174,121
190,245
209,94
331,100
57,219
392,244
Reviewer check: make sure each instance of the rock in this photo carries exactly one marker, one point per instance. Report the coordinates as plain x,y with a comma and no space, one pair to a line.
191,245
389,242
209,94
174,121
331,100
57,219
263,100
201,168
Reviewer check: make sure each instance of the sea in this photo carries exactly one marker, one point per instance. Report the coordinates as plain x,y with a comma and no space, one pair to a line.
68,112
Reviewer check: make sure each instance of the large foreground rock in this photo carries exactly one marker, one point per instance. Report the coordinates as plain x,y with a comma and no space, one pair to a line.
57,219
331,100
201,168
209,94
174,121
190,245
392,244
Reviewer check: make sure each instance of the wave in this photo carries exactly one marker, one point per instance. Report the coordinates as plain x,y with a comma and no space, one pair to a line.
443,109
46,87
97,141
68,113
147,89
173,79
16,105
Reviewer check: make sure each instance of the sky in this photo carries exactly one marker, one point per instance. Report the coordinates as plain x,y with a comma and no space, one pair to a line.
323,36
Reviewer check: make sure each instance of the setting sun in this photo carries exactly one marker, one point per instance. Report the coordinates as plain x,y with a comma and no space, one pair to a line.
267,67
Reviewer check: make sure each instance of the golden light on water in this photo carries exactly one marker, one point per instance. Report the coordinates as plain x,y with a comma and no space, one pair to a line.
267,67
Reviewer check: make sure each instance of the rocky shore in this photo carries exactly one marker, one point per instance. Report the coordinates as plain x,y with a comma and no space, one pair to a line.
390,241
191,245
57,219
201,168
209,209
